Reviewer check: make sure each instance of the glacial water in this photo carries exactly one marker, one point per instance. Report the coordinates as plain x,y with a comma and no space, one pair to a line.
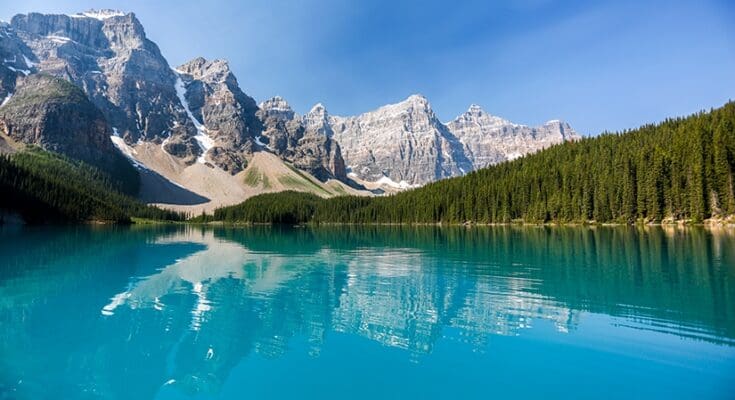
366,313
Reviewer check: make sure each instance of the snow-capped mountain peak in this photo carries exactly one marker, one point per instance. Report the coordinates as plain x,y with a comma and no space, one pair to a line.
417,98
475,109
276,103
318,109
101,15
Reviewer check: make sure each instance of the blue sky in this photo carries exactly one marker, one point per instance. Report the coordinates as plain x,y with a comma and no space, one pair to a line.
601,65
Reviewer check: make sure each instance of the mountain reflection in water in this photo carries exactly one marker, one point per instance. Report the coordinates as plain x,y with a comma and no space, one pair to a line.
182,307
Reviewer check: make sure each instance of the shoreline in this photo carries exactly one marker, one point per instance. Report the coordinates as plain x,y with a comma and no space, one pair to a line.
680,224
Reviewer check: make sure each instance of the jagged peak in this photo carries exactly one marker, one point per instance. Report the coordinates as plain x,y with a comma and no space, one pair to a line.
317,118
416,98
477,114
101,14
413,101
564,128
276,103
475,109
200,67
318,109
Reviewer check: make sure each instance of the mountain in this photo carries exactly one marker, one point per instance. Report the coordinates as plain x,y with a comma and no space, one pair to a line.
41,187
192,132
108,55
52,113
224,116
489,140
681,170
402,144
305,141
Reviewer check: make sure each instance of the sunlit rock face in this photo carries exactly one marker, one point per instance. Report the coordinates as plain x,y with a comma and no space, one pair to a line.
403,142
488,139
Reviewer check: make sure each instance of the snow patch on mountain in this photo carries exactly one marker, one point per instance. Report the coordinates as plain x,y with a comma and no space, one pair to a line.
126,150
99,14
6,99
205,142
29,63
398,185
259,142
59,39
22,71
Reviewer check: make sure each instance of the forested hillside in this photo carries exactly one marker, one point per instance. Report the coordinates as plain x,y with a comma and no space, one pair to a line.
680,169
45,187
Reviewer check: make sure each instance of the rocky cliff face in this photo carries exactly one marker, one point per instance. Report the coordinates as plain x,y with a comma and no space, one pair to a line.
305,141
488,139
17,61
124,74
317,150
403,142
227,115
56,115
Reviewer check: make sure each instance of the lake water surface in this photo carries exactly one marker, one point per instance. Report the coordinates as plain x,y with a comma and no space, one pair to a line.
373,313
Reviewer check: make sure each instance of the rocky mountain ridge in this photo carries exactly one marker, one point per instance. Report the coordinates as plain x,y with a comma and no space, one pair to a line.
403,143
488,139
197,113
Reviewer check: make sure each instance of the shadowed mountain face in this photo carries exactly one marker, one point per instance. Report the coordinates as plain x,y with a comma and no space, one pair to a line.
158,190
305,141
188,311
56,115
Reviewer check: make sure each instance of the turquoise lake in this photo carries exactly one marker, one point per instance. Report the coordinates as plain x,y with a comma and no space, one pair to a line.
367,313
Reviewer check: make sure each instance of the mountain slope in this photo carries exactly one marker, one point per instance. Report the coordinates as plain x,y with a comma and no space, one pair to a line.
203,187
227,115
56,115
191,125
681,169
43,187
304,141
